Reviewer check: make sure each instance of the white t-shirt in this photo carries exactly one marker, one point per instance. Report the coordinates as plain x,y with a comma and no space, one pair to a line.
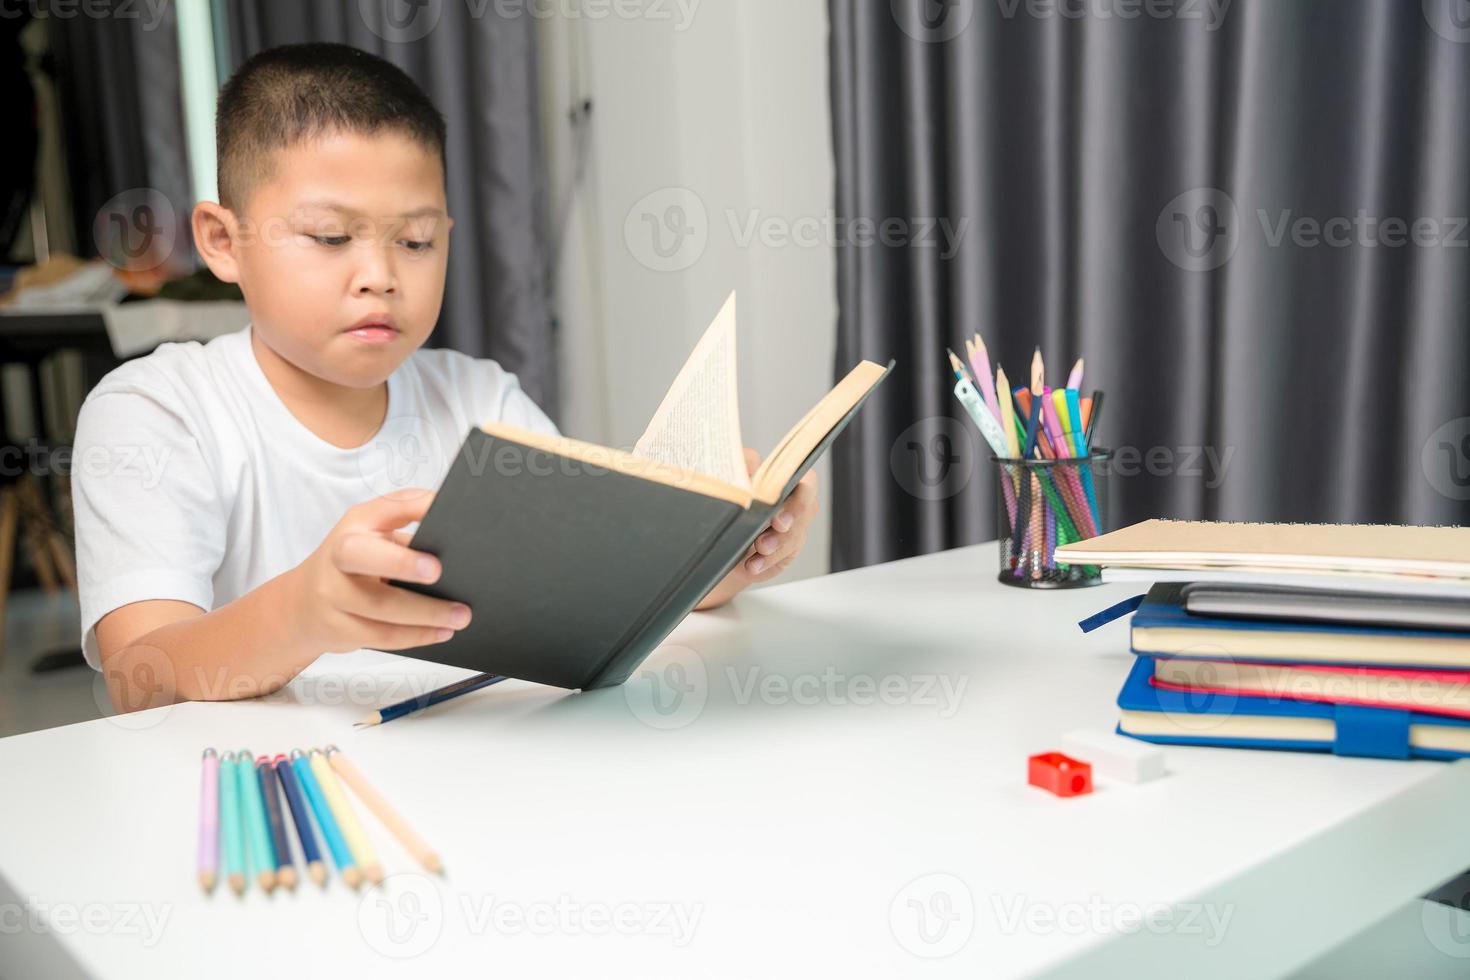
191,479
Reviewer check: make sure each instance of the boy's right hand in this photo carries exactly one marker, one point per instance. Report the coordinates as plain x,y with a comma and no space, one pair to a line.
343,602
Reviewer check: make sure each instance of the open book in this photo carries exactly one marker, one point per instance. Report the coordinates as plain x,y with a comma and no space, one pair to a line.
578,558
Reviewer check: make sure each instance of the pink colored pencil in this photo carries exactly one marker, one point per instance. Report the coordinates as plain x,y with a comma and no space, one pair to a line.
209,821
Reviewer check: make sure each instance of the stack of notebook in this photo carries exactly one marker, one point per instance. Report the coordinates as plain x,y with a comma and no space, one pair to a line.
1334,638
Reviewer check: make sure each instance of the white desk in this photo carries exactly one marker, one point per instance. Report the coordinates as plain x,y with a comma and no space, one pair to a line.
739,830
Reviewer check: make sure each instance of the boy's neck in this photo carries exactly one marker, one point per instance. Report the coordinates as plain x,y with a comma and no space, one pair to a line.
345,417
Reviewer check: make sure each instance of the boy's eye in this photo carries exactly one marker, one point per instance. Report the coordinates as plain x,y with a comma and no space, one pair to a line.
415,246
331,241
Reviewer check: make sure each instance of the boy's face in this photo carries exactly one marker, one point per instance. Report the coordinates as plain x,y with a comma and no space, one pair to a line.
341,252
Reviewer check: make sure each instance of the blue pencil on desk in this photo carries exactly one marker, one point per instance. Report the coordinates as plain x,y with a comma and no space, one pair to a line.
430,699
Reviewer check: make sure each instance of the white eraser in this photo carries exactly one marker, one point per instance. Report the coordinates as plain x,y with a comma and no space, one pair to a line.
1114,756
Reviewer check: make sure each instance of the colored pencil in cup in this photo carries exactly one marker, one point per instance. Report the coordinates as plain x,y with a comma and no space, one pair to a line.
260,853
383,810
300,816
285,867
1074,379
209,820
436,696
357,839
232,836
322,810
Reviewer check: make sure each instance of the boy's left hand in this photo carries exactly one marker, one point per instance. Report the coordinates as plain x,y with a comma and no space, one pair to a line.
775,547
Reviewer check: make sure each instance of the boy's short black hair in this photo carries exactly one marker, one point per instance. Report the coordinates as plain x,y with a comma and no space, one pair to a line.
295,92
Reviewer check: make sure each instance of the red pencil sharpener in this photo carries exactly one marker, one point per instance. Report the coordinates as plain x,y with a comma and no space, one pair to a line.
1059,774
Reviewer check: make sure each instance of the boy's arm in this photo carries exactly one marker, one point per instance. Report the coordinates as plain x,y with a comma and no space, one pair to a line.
774,548
159,651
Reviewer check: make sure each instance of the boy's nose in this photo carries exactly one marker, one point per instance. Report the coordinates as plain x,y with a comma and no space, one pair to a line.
375,274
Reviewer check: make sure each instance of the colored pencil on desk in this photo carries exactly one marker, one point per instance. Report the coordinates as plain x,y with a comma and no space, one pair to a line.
436,696
209,820
346,866
285,867
297,804
357,839
231,832
260,852
383,810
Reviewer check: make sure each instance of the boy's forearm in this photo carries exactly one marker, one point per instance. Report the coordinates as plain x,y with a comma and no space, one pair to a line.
244,648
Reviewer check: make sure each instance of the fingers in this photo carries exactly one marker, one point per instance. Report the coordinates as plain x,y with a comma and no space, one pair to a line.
775,547
402,607
365,553
752,460
395,510
388,636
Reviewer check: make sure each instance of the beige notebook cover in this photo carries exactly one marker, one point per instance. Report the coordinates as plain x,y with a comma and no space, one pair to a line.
1381,549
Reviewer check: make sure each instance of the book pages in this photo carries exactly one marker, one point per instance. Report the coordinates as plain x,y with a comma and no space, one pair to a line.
697,425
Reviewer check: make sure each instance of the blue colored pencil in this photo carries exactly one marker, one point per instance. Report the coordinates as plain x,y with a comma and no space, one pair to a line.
436,696
230,831
351,876
285,867
299,815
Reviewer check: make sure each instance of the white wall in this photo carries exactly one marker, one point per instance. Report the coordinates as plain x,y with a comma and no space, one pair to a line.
718,108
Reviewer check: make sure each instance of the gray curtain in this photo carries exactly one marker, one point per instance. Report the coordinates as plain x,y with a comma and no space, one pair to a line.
478,64
1195,196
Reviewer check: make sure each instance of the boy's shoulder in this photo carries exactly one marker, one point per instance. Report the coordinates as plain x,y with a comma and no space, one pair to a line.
174,370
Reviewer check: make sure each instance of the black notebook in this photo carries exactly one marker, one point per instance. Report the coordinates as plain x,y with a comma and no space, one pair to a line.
579,559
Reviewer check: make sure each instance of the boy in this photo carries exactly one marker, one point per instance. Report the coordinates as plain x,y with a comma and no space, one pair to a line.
236,511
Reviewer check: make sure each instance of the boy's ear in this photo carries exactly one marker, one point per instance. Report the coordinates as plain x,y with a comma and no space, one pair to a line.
216,238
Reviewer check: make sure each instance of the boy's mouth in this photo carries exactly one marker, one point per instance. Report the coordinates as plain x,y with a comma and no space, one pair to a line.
373,329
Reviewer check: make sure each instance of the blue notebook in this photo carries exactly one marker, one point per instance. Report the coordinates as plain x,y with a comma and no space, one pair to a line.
1162,627
1155,714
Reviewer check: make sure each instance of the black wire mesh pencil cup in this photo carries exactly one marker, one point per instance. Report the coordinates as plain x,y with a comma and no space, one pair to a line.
1042,504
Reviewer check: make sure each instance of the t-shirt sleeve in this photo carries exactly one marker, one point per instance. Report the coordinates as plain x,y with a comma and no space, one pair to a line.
150,523
509,403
